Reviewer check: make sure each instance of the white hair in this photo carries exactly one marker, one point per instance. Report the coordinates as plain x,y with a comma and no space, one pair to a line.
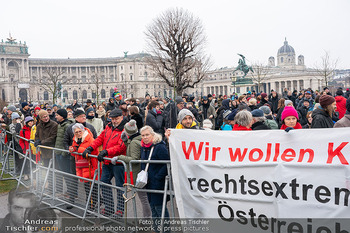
78,126
243,118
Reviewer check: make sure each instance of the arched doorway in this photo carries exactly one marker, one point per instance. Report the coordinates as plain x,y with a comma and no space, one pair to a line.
23,95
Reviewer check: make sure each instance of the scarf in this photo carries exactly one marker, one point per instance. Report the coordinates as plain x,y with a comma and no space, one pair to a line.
146,145
297,126
100,113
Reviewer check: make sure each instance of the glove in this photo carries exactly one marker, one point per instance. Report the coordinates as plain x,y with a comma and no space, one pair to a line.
101,155
114,160
87,151
37,143
124,137
288,129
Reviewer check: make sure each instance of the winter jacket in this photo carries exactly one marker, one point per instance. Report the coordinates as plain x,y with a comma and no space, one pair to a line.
86,172
225,106
341,105
25,133
271,123
69,134
46,133
32,136
237,127
97,123
301,102
260,126
61,129
226,127
303,112
321,119
110,140
206,111
171,120
156,172
274,104
110,106
156,121
133,150
138,119
344,122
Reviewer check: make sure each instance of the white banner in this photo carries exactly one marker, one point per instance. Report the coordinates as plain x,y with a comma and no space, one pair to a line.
271,173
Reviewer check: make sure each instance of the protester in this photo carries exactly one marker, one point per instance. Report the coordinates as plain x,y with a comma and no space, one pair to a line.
259,120
62,158
172,116
207,111
322,116
132,139
14,129
97,123
101,112
88,104
270,121
75,105
341,103
155,117
290,118
243,121
85,166
226,125
25,133
345,121
309,121
207,125
112,145
135,115
25,110
225,106
124,107
154,148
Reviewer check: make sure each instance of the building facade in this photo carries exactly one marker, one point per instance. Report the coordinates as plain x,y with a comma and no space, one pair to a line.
287,73
31,79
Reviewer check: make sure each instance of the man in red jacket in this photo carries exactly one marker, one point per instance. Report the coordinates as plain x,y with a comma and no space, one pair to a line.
113,145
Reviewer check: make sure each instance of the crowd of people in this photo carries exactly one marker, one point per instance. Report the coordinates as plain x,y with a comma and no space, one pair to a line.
125,130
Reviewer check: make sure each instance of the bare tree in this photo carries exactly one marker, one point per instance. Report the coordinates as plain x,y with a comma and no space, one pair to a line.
326,69
97,84
260,73
52,80
176,41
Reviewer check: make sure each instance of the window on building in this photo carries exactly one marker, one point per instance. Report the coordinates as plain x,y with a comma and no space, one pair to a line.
131,86
83,79
130,77
130,67
65,94
93,94
103,93
146,85
46,95
112,78
281,59
102,78
84,94
121,67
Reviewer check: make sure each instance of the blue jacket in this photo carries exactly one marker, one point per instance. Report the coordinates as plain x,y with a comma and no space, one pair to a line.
156,172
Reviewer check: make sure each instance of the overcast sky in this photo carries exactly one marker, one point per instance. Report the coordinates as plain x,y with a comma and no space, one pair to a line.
255,28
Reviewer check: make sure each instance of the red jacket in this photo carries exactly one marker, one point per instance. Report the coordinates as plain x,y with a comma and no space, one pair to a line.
87,172
110,139
341,105
25,133
239,128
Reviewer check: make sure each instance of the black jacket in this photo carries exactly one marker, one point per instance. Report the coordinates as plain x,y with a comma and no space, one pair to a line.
138,119
321,119
156,121
260,126
274,104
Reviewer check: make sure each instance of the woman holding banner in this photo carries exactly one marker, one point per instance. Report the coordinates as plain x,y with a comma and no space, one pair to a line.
290,118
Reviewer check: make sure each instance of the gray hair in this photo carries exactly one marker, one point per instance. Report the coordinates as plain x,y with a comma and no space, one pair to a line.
243,118
78,126
259,119
147,127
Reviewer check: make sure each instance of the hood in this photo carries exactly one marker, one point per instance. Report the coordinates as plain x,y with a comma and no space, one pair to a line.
339,98
226,104
319,111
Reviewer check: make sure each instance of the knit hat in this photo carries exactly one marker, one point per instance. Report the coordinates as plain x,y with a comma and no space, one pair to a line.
116,113
24,104
42,113
27,119
12,108
78,112
89,110
263,95
257,113
286,102
226,113
207,124
265,109
167,99
339,92
37,108
326,100
14,115
183,113
130,128
62,112
232,115
179,100
88,101
289,111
